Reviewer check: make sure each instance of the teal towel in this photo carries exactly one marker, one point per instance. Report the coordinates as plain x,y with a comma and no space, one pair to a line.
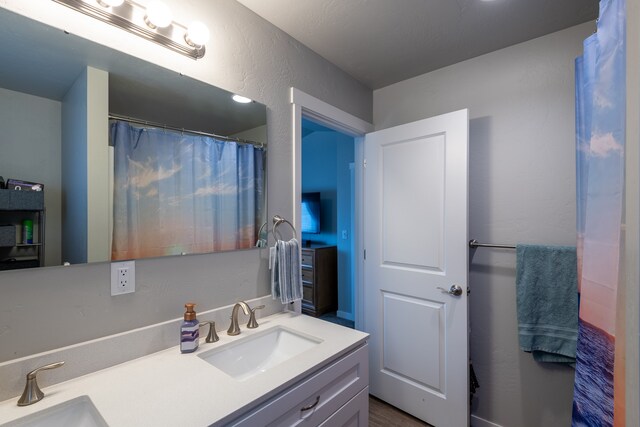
547,302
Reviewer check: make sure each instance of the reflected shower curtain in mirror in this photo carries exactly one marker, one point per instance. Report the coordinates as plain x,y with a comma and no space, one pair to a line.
178,193
600,137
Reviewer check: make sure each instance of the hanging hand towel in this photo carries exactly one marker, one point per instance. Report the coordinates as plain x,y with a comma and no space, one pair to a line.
547,302
286,274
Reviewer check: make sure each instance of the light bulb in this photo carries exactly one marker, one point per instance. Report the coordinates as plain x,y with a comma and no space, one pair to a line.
158,15
110,3
197,34
241,99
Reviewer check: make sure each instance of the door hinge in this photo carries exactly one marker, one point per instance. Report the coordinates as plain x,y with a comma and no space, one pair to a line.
364,163
365,254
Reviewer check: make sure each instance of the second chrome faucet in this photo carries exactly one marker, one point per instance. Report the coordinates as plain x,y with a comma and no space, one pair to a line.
234,328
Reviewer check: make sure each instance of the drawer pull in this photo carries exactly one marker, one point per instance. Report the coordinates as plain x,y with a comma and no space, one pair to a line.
313,405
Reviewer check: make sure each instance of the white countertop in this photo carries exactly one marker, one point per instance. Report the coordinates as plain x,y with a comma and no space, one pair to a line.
168,388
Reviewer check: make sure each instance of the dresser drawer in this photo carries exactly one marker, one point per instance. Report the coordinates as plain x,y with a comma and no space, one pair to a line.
316,398
307,275
307,258
307,294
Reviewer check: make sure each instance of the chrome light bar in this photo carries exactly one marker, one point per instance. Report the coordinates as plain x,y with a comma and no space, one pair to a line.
132,17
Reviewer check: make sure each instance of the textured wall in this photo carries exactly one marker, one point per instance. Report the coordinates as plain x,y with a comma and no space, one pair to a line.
48,308
522,189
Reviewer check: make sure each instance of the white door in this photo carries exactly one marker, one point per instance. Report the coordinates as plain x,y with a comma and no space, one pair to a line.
415,234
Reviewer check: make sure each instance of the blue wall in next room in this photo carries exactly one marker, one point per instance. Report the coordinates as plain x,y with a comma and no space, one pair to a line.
326,156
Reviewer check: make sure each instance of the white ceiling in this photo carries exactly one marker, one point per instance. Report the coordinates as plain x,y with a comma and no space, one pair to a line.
380,42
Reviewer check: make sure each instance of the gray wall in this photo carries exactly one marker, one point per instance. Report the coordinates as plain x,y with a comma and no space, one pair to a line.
25,122
522,189
52,307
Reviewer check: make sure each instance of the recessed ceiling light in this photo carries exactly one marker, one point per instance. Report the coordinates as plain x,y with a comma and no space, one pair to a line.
241,99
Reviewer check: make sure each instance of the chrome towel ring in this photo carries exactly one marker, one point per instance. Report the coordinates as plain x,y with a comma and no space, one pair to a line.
278,220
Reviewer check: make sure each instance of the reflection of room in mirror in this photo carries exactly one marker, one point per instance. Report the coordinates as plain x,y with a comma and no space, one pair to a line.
179,192
53,135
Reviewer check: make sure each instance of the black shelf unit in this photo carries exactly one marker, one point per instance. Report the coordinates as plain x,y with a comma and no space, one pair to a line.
15,207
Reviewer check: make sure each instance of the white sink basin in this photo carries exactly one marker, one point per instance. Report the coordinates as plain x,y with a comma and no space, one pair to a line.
78,412
259,352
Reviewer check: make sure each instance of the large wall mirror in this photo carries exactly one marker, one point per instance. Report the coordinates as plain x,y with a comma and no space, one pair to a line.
136,160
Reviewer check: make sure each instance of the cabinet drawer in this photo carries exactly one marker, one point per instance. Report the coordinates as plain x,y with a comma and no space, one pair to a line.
307,275
316,398
307,294
307,258
353,414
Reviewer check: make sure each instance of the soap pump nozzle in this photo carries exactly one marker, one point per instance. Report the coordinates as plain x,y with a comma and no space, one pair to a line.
190,314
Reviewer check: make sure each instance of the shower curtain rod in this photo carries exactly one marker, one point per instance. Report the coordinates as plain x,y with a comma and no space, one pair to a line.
475,244
194,132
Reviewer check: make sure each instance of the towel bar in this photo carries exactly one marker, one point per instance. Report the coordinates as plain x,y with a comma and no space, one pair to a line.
475,244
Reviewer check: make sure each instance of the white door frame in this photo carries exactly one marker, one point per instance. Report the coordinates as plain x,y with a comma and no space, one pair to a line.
306,105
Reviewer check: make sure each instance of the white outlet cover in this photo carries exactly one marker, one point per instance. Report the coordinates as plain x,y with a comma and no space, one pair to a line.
116,288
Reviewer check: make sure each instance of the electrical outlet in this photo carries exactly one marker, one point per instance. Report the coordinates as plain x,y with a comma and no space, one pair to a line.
123,277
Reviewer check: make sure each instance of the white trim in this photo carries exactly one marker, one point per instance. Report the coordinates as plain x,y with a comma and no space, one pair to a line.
359,238
324,113
476,421
306,105
344,315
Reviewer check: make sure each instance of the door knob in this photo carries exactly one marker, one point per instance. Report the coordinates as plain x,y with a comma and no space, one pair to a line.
455,290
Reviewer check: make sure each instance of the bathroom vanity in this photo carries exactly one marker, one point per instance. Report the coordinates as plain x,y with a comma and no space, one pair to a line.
339,391
291,369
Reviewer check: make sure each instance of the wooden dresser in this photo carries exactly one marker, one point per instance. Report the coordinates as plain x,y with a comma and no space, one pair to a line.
319,280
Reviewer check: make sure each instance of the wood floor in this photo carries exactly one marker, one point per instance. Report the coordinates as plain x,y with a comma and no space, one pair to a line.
381,414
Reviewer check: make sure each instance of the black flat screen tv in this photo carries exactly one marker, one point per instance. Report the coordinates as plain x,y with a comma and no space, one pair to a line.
310,213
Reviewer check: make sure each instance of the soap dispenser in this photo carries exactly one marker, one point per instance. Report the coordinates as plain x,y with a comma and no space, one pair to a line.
189,331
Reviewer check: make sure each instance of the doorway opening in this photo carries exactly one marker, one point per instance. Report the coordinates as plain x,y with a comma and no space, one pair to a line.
327,223
312,119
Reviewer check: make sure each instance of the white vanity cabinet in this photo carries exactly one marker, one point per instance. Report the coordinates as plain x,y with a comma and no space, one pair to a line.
353,414
335,395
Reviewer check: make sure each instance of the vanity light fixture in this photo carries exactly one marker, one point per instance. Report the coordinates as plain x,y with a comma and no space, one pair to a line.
152,22
241,99
110,3
158,15
197,34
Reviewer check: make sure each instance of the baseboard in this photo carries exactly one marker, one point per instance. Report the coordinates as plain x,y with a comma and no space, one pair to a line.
481,422
345,315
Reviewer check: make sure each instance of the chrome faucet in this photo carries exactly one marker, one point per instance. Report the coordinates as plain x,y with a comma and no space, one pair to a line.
252,324
234,328
32,392
212,336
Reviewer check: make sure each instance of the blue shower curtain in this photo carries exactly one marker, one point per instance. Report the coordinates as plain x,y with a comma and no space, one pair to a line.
178,193
600,139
